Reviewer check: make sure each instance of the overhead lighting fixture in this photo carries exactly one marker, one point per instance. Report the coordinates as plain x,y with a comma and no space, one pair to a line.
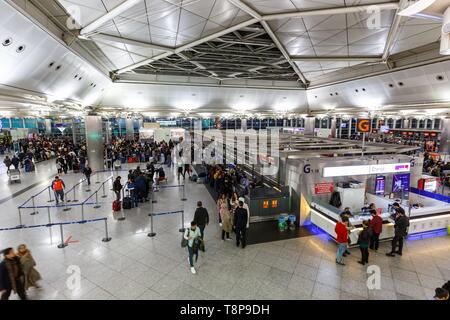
233,75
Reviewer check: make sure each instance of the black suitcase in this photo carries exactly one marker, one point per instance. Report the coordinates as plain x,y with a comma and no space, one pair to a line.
127,203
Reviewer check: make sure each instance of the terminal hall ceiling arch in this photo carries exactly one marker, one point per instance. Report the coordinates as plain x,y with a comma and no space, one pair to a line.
264,44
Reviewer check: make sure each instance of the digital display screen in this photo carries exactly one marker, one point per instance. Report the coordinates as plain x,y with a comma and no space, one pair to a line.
400,182
380,183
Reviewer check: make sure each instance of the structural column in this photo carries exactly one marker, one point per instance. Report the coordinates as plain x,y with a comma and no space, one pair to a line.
94,142
333,127
129,123
243,124
445,136
48,126
310,123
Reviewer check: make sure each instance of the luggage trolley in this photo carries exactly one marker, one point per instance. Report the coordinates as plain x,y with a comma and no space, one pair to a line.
14,176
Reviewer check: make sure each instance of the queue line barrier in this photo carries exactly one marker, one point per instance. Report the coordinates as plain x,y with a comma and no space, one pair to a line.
151,215
63,244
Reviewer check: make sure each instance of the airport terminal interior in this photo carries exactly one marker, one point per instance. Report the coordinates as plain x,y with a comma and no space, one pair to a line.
225,149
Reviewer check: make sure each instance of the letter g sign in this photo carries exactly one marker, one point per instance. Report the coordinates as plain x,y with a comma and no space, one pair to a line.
307,168
363,125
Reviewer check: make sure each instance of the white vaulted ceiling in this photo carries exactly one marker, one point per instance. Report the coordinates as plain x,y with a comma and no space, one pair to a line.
227,54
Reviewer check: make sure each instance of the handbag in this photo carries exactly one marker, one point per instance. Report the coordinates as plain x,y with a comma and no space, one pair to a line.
184,242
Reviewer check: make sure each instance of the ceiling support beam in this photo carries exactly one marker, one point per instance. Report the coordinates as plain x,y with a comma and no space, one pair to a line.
393,31
131,42
121,8
331,11
284,52
338,58
189,45
273,36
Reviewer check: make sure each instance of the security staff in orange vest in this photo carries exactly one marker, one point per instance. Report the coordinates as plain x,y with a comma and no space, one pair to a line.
58,187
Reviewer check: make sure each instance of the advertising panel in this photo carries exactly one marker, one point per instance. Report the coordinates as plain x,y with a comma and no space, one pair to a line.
400,182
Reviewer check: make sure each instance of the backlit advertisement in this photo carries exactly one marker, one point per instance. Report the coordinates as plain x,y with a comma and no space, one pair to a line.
400,182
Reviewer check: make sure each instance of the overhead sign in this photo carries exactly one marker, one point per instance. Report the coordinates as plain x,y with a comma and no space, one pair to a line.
366,169
363,125
323,188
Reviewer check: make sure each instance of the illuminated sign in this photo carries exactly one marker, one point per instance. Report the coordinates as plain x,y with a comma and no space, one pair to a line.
266,204
363,125
366,169
274,203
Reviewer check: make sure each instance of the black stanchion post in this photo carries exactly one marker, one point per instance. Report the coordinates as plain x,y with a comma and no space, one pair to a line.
21,225
50,195
96,201
62,244
107,238
34,207
151,234
184,194
182,229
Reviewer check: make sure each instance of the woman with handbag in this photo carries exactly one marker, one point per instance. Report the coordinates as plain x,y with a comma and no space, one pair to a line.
31,275
225,216
191,236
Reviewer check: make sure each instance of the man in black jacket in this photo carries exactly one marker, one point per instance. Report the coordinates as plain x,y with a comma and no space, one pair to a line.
117,187
11,275
401,231
87,171
201,217
240,224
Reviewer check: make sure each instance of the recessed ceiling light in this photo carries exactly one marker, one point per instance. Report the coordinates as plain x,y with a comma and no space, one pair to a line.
7,42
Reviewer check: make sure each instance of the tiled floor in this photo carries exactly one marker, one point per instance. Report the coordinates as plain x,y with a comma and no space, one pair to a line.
134,266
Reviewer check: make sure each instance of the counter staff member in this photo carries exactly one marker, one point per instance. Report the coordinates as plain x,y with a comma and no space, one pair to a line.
58,187
401,231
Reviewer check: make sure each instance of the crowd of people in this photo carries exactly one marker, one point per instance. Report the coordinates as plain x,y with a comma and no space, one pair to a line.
18,272
437,168
69,156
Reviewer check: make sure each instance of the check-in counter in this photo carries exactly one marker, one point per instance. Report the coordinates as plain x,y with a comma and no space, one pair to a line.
326,216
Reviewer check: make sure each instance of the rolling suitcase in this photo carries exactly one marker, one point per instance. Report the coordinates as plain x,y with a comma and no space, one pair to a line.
127,203
117,205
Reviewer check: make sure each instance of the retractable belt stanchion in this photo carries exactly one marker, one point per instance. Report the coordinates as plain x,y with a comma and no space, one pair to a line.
67,208
74,194
152,233
184,193
98,178
104,194
62,244
50,224
50,195
82,211
107,238
153,196
96,201
182,229
34,207
21,225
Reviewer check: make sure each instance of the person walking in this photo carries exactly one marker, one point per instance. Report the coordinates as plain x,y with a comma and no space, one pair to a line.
117,187
201,218
11,275
15,162
245,206
225,217
191,235
376,224
240,224
400,232
342,239
31,275
363,242
58,187
87,171
7,163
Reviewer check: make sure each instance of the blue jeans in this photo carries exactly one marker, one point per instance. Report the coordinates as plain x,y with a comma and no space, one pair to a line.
342,247
191,256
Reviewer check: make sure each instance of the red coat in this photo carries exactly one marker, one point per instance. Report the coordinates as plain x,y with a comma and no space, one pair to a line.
341,233
376,224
